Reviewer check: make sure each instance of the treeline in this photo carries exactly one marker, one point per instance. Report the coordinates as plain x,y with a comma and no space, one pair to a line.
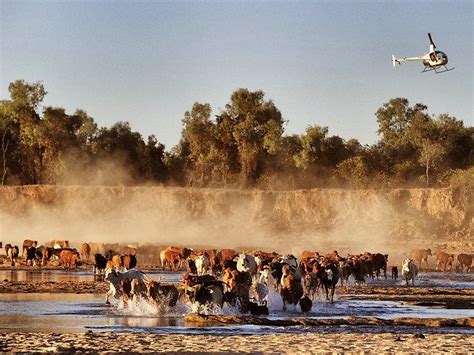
242,145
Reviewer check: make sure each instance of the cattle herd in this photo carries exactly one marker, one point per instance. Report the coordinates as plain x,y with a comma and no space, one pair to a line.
243,279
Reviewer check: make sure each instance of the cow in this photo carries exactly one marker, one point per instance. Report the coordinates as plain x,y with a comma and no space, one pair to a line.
60,244
379,262
237,287
100,263
202,263
214,261
85,251
7,247
327,275
306,255
409,271
128,261
126,286
69,258
117,263
394,273
204,290
27,243
444,260
305,304
291,290
183,254
31,256
246,263
226,255
169,259
12,254
290,260
162,294
191,267
97,248
420,256
258,309
114,278
465,260
206,295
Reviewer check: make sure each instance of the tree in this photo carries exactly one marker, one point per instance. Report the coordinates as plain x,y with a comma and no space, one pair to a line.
312,142
6,123
25,99
256,126
430,154
395,117
354,172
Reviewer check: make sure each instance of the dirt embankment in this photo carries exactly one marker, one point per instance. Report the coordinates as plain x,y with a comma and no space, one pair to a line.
288,221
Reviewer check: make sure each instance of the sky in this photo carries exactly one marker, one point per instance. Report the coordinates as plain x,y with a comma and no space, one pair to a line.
324,63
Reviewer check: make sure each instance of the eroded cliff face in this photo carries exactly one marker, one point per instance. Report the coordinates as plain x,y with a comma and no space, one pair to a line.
282,220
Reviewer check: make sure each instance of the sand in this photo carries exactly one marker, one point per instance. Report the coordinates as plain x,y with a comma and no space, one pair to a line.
292,343
95,287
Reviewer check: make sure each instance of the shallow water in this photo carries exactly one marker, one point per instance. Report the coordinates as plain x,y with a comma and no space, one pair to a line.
80,275
80,312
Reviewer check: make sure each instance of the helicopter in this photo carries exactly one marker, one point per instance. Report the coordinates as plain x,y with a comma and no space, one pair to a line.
433,60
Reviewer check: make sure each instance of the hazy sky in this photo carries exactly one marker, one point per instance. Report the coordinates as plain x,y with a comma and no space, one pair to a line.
325,63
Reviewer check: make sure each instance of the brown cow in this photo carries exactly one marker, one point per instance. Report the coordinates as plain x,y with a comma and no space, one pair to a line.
306,255
85,251
237,287
444,260
465,260
420,255
69,258
169,259
27,243
227,255
291,290
183,254
129,261
117,262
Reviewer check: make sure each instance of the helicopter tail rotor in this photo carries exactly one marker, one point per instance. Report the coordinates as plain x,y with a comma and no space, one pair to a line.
395,61
432,45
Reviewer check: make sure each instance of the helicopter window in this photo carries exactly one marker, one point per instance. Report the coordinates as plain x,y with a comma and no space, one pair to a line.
440,55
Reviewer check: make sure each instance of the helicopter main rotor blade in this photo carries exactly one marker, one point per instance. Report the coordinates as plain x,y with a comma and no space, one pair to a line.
431,40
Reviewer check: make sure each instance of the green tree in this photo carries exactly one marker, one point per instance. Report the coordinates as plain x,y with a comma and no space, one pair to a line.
312,146
257,126
431,154
354,172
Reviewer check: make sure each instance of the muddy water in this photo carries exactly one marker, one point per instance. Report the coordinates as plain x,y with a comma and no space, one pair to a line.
78,313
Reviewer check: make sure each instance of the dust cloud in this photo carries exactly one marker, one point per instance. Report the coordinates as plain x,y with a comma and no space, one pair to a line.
285,221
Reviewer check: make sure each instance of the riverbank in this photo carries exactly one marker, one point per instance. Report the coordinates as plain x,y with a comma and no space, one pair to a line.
286,343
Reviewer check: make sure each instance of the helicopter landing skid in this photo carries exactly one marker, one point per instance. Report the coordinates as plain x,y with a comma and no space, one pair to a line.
437,71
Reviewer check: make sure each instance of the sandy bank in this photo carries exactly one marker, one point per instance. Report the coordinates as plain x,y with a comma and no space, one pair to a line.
143,342
96,287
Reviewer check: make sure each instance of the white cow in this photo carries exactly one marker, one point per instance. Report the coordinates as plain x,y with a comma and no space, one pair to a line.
409,271
202,264
290,260
246,263
114,278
